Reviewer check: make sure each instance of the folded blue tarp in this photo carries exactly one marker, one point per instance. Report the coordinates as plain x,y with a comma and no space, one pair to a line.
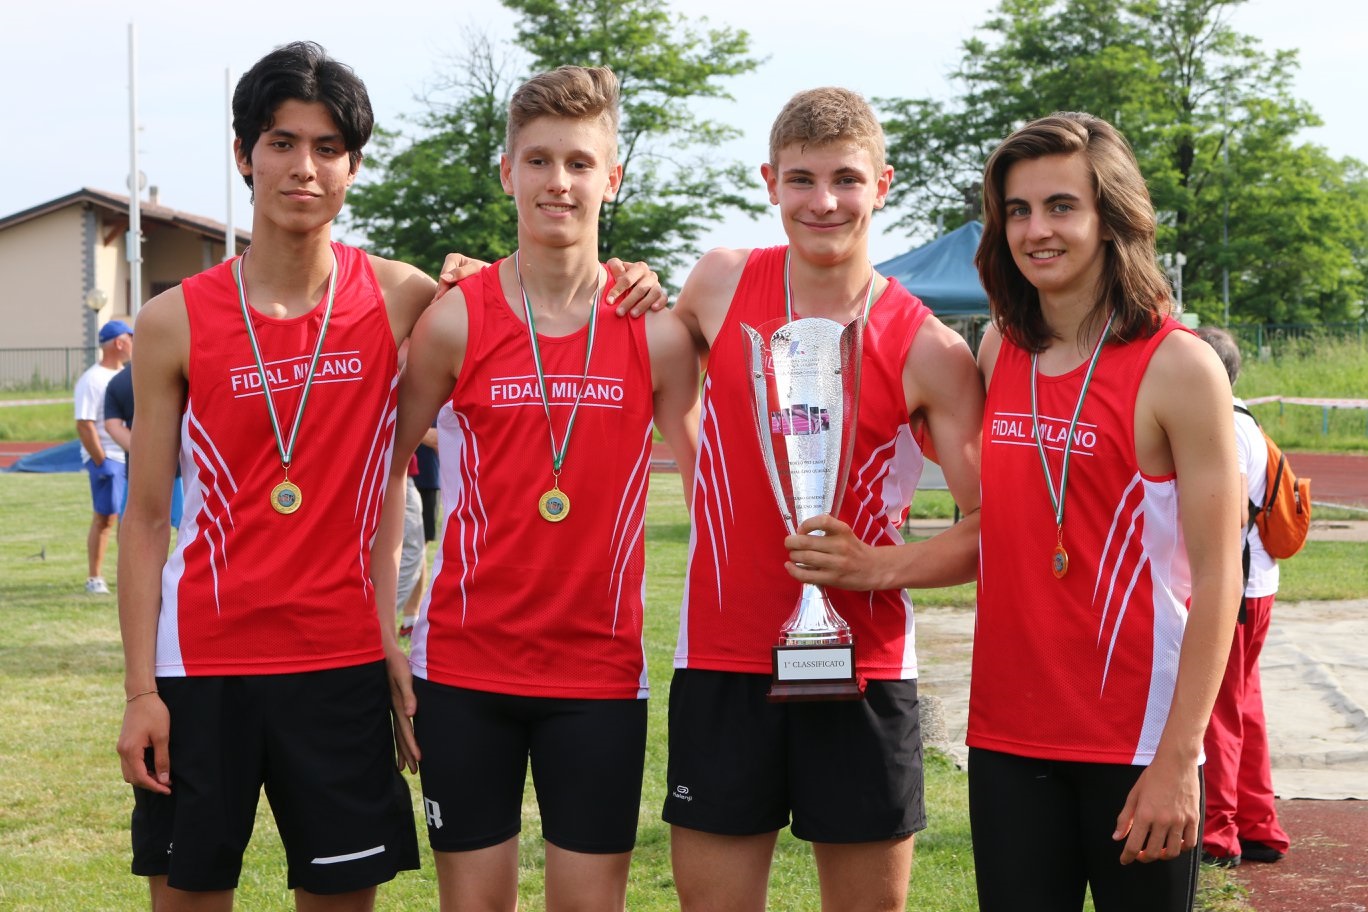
64,457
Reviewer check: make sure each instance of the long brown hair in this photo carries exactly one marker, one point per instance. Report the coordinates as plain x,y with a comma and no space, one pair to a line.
1132,286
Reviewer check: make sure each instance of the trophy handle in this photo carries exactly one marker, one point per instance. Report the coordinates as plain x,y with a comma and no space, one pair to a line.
755,364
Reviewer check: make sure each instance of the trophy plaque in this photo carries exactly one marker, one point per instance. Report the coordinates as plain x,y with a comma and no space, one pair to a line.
804,391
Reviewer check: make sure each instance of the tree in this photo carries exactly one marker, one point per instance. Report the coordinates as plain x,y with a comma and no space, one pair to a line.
441,191
1213,123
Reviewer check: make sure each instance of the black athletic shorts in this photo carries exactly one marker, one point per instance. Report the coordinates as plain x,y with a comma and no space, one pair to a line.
321,743
587,758
1042,832
739,765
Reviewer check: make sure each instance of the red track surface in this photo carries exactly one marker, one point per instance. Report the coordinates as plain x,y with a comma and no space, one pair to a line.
1327,868
1337,478
10,451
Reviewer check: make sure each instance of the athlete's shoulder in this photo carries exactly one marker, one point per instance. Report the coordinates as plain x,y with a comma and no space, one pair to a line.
719,266
709,289
397,277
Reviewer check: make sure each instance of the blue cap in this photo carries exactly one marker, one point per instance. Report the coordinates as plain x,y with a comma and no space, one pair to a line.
113,329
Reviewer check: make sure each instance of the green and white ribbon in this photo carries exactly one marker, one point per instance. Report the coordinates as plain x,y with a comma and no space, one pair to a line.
285,448
557,451
1058,501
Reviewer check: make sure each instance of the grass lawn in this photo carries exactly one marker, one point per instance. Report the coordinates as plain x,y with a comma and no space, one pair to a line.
64,809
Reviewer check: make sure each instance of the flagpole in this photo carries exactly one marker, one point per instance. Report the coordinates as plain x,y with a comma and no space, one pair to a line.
230,232
134,242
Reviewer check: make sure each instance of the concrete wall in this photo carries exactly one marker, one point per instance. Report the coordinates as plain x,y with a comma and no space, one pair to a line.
42,298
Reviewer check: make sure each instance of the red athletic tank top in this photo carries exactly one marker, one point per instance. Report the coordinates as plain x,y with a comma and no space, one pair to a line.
249,590
737,594
520,605
1080,668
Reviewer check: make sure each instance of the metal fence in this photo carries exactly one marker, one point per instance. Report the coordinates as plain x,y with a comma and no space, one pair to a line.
41,369
1274,339
58,368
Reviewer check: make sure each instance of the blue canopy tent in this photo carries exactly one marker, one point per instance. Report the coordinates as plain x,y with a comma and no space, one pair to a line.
942,273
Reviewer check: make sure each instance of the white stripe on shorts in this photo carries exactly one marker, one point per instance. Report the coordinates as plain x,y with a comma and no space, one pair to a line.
353,856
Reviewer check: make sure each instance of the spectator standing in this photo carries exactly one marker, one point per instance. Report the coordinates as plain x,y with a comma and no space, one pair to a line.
118,422
1241,819
104,460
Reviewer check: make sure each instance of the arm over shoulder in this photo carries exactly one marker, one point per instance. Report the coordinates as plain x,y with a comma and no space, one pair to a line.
674,375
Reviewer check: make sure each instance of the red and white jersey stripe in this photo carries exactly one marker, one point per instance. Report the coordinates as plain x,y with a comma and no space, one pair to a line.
248,590
1079,668
737,594
520,605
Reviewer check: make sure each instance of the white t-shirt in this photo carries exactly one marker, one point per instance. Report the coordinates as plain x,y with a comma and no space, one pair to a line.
1253,457
90,397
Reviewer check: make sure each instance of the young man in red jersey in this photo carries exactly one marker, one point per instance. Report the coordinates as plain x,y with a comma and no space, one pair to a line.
254,655
529,641
847,774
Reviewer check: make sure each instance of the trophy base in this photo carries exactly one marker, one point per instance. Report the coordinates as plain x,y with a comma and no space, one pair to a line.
807,691
816,672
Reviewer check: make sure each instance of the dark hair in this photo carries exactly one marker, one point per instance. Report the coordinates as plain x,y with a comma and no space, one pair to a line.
301,71
1226,349
1132,287
584,93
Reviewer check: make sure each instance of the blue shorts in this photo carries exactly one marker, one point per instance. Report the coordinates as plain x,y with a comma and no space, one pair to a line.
108,486
177,501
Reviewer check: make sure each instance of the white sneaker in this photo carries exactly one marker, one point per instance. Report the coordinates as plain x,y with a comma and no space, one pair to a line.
96,586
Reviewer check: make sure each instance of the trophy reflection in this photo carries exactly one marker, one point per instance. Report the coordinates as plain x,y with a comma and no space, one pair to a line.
804,391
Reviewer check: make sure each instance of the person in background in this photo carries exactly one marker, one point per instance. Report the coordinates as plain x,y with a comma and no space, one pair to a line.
428,482
413,556
1241,818
119,423
104,460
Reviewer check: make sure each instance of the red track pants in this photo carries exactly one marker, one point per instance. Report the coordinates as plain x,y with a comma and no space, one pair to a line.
1239,783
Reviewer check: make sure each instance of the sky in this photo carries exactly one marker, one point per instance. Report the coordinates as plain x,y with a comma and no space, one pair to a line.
65,76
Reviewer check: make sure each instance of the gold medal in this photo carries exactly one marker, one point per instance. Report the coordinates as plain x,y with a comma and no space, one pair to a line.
554,505
1059,562
285,497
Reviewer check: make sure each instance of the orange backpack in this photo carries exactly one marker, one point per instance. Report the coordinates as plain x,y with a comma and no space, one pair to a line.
1284,517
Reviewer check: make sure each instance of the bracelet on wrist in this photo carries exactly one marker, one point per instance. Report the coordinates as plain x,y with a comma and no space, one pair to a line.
140,694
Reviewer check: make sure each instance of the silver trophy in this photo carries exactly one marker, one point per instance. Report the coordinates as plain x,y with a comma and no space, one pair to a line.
804,392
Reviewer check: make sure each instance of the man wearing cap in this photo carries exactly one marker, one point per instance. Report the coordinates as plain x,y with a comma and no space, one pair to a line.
104,460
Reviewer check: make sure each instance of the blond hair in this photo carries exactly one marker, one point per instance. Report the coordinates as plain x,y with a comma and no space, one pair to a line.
820,117
586,93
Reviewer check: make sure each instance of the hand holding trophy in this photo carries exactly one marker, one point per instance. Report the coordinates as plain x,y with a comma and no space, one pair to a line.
805,390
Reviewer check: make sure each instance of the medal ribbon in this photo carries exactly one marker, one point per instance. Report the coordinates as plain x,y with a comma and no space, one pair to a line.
788,293
1058,501
286,449
557,452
